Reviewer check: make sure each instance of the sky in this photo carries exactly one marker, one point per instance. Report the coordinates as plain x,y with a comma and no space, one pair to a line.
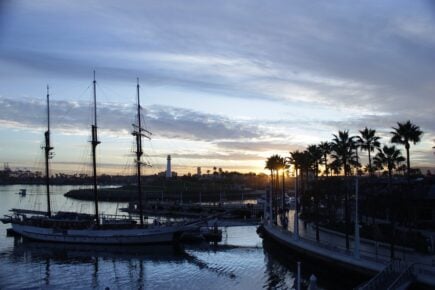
223,83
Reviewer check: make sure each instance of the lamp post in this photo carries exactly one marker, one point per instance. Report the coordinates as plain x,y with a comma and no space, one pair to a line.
270,200
357,239
296,217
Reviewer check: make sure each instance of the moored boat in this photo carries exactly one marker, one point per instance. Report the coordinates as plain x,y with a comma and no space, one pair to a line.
83,228
22,192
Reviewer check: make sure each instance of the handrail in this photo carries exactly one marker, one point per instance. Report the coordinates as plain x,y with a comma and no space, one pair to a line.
419,268
407,274
394,267
340,250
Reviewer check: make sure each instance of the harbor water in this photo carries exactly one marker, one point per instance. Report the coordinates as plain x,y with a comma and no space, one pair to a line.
240,261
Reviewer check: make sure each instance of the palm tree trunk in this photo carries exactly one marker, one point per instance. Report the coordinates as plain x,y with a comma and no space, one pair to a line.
346,216
283,188
346,207
317,218
370,163
276,192
271,192
392,215
408,162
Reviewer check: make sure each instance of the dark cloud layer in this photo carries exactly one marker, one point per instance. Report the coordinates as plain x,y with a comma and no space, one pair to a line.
164,121
249,145
215,156
371,54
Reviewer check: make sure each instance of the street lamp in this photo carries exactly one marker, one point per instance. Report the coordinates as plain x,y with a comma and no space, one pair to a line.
357,239
296,217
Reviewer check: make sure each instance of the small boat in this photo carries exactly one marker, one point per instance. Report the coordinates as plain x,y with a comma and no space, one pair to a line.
203,234
82,228
290,201
22,192
261,200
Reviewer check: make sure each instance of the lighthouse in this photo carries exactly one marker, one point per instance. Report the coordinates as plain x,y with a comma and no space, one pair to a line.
168,167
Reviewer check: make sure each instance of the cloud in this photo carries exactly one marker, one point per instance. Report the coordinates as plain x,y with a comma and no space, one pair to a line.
338,54
164,121
259,146
183,123
215,156
383,123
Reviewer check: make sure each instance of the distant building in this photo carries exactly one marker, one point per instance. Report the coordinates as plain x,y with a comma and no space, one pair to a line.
168,167
198,171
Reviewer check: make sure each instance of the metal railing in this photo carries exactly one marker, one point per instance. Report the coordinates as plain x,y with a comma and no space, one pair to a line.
387,277
406,276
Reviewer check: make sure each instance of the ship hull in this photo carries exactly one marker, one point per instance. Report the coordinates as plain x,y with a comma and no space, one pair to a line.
152,235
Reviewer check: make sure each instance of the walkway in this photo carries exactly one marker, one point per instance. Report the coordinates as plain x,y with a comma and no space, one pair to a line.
377,250
374,255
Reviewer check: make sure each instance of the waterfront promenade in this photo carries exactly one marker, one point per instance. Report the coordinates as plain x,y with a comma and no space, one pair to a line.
374,257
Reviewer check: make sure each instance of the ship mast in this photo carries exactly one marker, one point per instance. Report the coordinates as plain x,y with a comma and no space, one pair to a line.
48,155
138,133
94,143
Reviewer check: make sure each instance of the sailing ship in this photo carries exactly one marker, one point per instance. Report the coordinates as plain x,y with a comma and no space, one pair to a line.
73,227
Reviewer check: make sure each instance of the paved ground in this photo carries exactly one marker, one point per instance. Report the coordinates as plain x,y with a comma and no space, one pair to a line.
377,251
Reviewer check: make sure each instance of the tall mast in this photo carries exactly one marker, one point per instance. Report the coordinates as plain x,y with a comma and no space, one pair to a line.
48,148
138,155
94,143
138,133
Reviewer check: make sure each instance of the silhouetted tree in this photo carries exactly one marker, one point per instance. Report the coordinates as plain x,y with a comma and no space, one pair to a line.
391,158
404,134
343,151
315,156
369,142
326,150
274,164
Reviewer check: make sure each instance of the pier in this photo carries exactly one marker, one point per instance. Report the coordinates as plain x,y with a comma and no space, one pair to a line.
250,213
373,263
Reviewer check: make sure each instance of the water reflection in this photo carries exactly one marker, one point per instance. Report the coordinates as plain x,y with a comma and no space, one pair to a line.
69,266
282,267
238,262
126,265
96,258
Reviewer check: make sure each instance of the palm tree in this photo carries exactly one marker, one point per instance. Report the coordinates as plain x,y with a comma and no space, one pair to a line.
274,164
301,163
295,159
284,165
404,134
335,167
270,164
369,142
343,151
358,143
299,160
326,150
391,158
315,155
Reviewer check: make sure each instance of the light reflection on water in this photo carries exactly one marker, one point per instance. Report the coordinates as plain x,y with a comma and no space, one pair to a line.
239,262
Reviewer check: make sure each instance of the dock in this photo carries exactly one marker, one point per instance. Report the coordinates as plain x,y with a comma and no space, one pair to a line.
381,272
238,211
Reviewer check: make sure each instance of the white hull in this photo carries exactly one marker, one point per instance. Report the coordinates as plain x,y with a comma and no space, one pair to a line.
158,234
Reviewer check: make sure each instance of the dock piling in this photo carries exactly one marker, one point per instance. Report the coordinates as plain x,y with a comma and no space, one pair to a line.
298,281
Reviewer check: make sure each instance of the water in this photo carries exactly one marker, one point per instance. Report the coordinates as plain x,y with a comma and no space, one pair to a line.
238,262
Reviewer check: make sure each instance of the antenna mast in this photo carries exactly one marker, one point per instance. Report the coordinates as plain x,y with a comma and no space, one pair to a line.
137,132
94,143
48,154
